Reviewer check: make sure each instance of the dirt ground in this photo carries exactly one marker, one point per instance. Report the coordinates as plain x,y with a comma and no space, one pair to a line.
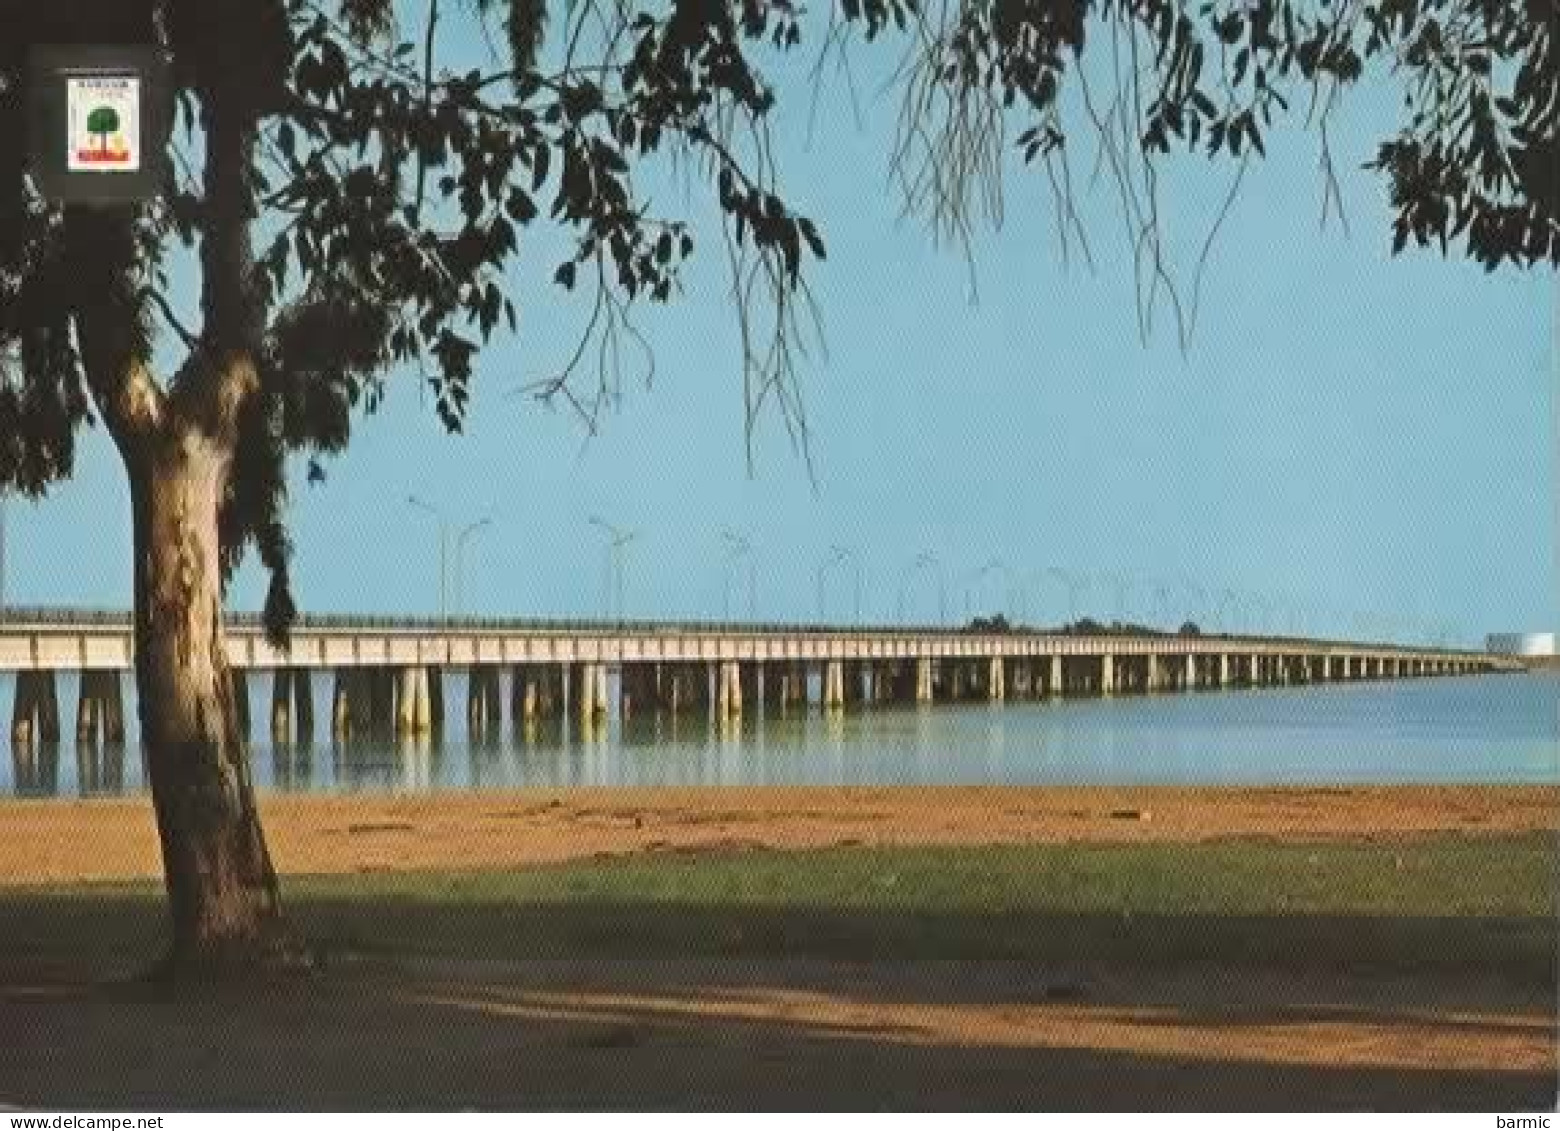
787,1034
774,1033
62,841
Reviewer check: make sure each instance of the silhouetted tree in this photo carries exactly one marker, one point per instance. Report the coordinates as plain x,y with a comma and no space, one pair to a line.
354,195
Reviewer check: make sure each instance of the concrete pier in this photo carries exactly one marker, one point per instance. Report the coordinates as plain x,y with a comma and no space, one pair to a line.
35,768
588,691
996,680
35,715
728,690
833,685
281,706
292,706
100,711
536,692
484,701
341,704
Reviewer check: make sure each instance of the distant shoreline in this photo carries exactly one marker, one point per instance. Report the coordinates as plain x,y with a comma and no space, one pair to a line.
113,839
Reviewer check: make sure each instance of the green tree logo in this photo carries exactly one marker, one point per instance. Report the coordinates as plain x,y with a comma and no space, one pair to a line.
100,123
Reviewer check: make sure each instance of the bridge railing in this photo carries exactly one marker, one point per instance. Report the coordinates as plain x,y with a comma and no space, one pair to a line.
70,617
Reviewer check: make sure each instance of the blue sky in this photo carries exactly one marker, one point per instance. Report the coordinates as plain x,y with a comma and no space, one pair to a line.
1348,434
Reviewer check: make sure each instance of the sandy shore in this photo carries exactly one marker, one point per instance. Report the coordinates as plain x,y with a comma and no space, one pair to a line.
54,841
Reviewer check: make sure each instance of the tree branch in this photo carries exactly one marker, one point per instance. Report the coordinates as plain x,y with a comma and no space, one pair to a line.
213,387
105,303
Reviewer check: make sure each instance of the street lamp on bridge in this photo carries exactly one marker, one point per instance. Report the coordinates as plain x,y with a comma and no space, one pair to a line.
618,541
922,561
838,554
460,545
444,546
738,548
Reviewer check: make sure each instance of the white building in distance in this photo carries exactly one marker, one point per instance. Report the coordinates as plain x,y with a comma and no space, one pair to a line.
1521,643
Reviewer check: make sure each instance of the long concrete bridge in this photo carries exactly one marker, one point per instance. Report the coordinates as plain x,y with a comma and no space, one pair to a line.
388,673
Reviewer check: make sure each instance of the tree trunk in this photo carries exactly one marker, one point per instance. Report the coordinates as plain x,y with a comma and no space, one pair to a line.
222,889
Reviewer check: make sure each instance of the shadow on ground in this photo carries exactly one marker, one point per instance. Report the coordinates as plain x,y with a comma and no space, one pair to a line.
623,1005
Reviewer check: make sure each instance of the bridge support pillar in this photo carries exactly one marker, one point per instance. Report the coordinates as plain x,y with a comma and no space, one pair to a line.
35,716
87,709
484,701
1054,684
637,691
851,674
35,767
281,706
303,705
1221,671
413,712
996,680
680,687
405,700
341,705
351,706
535,692
100,710
587,692
728,689
1153,680
776,681
833,685
1107,674
435,699
599,706
750,675
422,713
924,669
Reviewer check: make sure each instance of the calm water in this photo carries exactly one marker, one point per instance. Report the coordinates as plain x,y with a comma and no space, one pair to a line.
1484,729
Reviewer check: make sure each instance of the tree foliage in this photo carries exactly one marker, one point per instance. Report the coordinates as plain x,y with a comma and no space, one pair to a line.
358,195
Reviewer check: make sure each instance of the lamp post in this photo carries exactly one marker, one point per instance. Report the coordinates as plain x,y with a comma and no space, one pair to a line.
922,560
618,540
1074,583
846,553
460,545
444,545
1014,585
738,547
837,554
993,566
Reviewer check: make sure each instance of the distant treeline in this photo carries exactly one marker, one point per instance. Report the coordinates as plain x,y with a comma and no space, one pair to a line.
1084,626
